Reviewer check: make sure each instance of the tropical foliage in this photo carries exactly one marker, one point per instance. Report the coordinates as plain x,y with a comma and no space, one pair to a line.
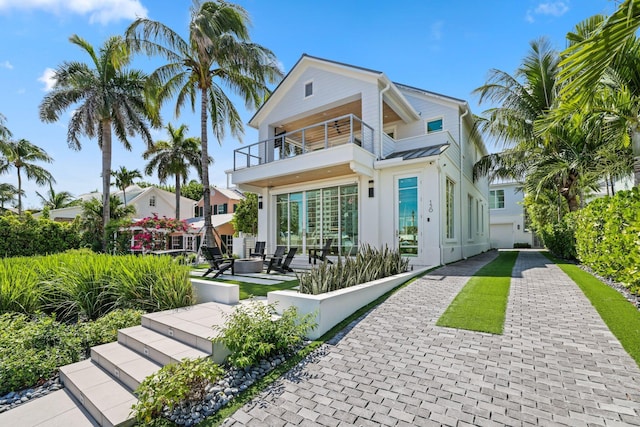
27,236
22,156
251,333
92,225
107,98
369,264
124,178
606,237
33,347
84,285
217,55
174,158
57,200
245,216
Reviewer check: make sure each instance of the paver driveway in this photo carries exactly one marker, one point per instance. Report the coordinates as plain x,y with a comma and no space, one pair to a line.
556,364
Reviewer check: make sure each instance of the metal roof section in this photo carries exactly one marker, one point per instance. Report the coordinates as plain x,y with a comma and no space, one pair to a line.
417,153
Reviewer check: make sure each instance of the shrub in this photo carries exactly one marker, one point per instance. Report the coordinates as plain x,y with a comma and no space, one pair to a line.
172,385
559,238
252,333
32,348
27,236
608,237
369,264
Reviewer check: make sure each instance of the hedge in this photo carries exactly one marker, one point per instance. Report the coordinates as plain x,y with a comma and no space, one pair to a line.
608,237
27,236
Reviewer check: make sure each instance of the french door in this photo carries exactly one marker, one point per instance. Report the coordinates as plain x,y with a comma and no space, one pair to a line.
407,216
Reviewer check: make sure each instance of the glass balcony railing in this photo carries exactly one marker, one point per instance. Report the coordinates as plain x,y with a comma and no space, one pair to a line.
347,129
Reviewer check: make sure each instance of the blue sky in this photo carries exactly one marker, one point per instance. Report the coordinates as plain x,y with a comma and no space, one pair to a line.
441,46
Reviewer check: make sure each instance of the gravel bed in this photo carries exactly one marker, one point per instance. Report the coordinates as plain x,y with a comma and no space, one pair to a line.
16,398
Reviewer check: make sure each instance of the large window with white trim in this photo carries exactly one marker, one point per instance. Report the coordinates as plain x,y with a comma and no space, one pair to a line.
307,219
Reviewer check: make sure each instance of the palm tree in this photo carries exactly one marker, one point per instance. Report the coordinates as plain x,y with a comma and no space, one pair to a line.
93,216
564,157
54,200
174,157
5,133
21,155
8,193
111,99
217,54
124,178
607,52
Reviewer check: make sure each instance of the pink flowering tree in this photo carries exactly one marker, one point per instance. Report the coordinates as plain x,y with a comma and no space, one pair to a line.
151,232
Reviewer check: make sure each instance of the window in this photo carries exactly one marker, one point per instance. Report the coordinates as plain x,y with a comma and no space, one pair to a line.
449,220
434,125
220,209
152,201
496,199
470,216
308,89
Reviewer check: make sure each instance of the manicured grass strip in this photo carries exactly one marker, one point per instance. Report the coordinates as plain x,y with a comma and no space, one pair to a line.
244,397
247,290
482,303
620,316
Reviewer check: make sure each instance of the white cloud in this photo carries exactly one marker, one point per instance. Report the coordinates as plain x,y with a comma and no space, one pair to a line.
549,8
554,8
7,65
436,30
48,79
101,11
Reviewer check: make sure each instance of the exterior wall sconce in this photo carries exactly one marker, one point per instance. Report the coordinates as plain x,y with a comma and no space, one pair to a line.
259,202
370,188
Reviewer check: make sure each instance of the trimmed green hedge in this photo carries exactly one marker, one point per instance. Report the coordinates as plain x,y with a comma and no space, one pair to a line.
28,236
608,237
560,237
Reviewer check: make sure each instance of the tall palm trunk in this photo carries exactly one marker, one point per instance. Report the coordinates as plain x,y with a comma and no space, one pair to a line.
206,192
635,142
106,179
178,181
19,190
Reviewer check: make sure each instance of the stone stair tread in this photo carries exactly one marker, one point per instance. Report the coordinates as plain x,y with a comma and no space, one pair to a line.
127,361
57,409
108,401
200,317
162,343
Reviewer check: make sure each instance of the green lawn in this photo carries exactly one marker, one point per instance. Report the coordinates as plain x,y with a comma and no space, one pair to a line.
248,290
620,316
482,303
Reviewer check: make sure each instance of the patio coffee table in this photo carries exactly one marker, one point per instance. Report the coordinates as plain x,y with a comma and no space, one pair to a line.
248,265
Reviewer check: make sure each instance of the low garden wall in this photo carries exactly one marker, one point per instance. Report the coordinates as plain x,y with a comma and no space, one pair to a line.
333,307
210,291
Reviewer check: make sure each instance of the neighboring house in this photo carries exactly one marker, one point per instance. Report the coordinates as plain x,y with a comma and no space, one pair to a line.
507,217
147,202
346,154
223,204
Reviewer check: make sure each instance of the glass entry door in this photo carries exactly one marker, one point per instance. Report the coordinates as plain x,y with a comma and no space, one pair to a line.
407,231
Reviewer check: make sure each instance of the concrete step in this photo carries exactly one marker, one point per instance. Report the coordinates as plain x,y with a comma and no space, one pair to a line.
193,326
128,366
159,348
107,400
57,409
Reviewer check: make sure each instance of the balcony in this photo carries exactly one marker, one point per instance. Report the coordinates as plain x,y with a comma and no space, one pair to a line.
347,129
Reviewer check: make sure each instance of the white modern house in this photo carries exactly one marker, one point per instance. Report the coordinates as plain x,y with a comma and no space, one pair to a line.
346,154
507,216
147,201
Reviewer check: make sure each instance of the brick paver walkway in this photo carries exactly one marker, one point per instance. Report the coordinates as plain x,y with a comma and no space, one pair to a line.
556,364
